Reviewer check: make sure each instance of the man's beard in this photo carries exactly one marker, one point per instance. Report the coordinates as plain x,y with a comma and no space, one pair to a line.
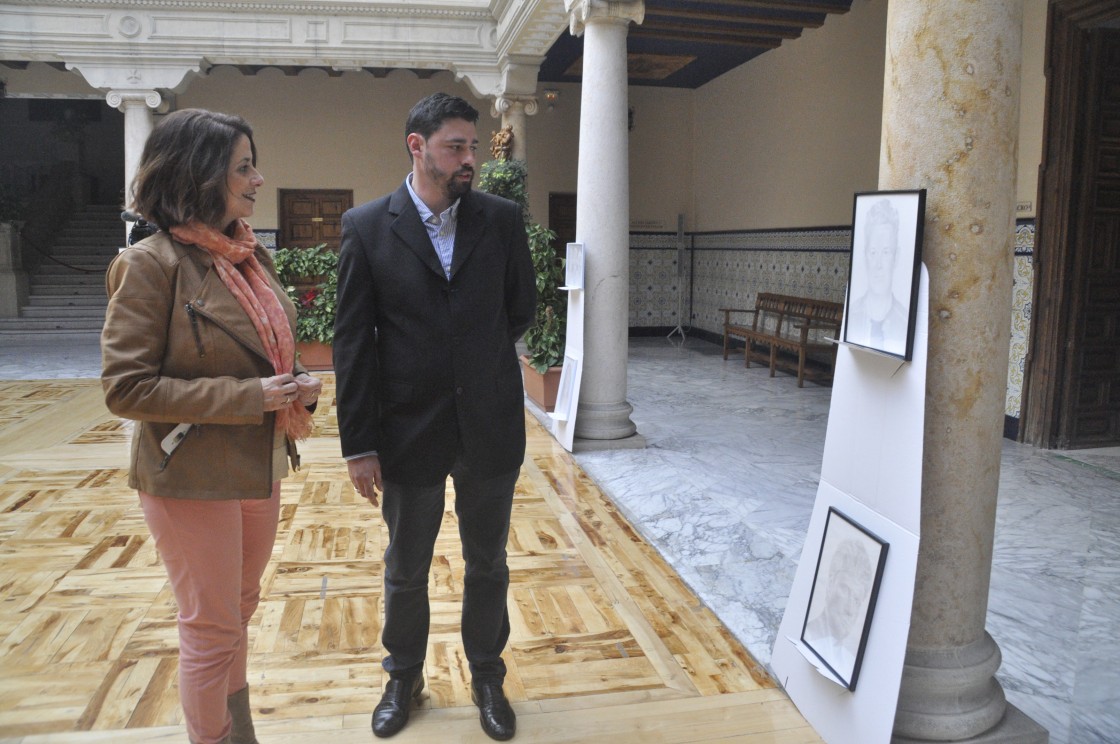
453,187
456,188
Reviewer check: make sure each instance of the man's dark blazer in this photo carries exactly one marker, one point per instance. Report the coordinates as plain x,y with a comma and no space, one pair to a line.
426,367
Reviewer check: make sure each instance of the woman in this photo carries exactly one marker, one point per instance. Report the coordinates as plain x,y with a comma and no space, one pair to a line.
198,348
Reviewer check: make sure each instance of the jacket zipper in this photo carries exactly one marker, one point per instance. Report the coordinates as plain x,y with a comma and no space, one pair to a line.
193,315
196,311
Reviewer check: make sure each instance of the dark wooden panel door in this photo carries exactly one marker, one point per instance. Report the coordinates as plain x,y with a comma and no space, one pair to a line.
1094,391
312,216
562,220
1071,385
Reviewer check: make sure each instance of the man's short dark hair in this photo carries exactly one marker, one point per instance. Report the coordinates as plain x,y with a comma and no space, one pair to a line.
428,115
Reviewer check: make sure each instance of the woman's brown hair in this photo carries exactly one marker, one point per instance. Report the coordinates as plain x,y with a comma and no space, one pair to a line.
182,171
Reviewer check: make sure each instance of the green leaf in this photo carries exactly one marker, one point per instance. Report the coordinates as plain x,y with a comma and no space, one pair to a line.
310,277
546,337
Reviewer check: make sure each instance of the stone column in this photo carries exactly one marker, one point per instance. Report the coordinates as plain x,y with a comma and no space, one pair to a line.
136,105
14,281
950,125
513,110
603,215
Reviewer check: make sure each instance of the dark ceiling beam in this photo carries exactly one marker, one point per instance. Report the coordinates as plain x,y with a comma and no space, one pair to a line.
721,25
676,33
738,14
752,20
813,6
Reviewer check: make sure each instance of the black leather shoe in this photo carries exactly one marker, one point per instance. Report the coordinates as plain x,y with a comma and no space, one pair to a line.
391,714
494,711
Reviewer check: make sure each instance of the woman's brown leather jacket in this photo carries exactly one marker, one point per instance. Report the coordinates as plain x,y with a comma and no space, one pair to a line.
178,348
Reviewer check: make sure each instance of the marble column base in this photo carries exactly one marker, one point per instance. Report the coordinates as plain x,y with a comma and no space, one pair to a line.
950,694
1014,728
634,441
605,421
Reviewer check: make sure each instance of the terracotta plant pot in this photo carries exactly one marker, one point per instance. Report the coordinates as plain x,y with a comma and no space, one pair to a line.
541,389
315,356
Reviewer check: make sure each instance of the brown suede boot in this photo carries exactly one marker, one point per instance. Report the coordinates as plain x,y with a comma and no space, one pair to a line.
242,731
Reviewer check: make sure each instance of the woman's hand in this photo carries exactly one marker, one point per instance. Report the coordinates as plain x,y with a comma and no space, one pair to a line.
279,391
309,388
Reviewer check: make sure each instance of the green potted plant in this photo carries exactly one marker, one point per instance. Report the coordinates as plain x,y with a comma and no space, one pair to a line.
310,277
544,341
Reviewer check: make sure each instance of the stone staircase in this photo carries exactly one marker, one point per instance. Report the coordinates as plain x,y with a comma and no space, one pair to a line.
69,303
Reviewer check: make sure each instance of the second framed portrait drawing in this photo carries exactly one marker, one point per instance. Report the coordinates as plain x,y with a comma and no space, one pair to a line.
842,601
884,271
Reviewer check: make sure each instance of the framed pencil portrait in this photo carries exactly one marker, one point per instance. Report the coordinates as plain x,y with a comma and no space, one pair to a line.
842,600
884,270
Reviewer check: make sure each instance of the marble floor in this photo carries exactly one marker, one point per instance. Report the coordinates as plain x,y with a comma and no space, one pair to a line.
725,487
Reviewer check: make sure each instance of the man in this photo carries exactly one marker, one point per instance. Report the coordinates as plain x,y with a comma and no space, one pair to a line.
435,286
876,318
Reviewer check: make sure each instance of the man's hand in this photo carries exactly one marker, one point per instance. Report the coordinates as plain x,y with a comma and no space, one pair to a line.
365,474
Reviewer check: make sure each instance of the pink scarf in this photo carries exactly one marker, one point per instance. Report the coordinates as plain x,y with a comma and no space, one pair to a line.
247,280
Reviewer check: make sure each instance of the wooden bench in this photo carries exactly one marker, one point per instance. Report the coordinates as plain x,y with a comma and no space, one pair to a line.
802,326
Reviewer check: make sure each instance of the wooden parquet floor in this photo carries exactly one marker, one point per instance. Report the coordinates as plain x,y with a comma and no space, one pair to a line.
608,645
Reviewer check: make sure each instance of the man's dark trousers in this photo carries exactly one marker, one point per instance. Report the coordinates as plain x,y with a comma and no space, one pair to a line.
413,515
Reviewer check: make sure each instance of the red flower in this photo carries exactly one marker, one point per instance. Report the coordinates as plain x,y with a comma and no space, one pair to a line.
308,297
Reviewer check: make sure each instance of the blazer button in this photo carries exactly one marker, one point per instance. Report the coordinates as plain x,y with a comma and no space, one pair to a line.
458,391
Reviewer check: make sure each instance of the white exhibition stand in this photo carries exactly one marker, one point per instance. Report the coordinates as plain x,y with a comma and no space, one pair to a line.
872,472
567,398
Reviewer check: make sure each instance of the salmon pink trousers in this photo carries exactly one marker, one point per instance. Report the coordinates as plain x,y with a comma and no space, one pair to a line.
215,553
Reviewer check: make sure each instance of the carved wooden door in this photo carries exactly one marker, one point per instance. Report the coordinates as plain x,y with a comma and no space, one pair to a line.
562,220
312,216
1092,404
1071,393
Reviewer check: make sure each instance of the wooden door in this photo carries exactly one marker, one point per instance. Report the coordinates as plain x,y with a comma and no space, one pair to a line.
1091,411
562,220
1071,396
312,216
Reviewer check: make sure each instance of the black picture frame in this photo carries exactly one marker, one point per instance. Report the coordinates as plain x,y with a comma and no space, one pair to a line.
842,600
884,269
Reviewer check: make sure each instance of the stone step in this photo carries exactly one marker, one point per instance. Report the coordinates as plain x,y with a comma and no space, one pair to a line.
94,228
56,335
62,290
64,302
71,279
51,324
75,266
34,312
85,249
104,242
71,300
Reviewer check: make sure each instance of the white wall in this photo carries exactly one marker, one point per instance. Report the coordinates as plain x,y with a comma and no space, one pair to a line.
318,132
780,142
661,158
786,139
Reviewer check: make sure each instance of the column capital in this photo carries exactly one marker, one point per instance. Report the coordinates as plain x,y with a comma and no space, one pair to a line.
120,99
149,73
582,12
504,104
